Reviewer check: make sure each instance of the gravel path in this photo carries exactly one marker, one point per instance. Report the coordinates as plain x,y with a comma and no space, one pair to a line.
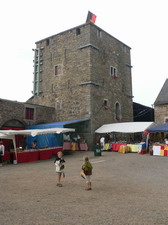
128,189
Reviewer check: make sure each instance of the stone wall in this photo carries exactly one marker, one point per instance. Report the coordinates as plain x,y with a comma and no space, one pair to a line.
12,114
110,52
64,91
161,114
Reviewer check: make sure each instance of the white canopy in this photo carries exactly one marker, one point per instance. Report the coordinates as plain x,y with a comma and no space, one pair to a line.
34,132
127,127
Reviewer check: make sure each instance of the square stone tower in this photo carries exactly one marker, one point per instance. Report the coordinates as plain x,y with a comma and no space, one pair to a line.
85,73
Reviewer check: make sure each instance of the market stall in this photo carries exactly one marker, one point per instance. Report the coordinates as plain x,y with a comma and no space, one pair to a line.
30,155
127,128
6,157
35,155
160,148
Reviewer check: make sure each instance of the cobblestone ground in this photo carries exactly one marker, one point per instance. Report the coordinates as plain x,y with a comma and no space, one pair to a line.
128,189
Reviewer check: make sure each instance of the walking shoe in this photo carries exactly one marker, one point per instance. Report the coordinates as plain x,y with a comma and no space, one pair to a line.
88,189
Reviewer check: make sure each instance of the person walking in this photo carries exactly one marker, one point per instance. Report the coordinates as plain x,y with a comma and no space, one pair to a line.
2,152
87,172
102,142
59,168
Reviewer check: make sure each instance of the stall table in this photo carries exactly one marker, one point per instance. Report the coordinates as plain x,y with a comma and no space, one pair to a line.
160,149
67,146
83,146
27,156
116,147
35,155
119,147
56,150
45,154
6,156
133,147
123,149
74,146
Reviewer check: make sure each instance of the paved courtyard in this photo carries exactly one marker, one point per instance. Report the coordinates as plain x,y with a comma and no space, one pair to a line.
128,189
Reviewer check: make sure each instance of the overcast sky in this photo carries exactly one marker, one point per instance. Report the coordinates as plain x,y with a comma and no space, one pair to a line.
142,25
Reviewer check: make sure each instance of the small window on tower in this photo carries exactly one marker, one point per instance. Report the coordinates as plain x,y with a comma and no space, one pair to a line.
47,42
105,103
99,33
58,70
117,111
78,31
113,71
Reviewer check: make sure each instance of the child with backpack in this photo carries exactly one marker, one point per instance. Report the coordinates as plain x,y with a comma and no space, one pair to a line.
87,172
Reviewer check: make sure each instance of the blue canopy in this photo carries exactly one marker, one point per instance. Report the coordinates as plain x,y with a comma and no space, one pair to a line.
50,140
56,124
159,128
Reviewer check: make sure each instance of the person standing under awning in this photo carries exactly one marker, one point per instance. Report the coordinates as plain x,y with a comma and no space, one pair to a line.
2,152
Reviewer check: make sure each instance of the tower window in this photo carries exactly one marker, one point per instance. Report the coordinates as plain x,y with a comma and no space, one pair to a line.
117,111
99,33
105,102
78,32
58,104
47,42
58,70
113,72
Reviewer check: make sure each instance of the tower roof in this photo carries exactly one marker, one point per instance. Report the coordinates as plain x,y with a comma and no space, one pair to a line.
79,26
162,97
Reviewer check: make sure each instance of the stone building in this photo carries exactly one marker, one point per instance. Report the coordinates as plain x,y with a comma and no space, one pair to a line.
161,105
19,115
84,73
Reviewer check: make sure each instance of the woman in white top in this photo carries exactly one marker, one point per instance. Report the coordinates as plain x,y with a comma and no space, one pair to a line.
166,140
2,152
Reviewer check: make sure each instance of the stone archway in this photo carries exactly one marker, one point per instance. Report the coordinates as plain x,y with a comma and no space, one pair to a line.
14,123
